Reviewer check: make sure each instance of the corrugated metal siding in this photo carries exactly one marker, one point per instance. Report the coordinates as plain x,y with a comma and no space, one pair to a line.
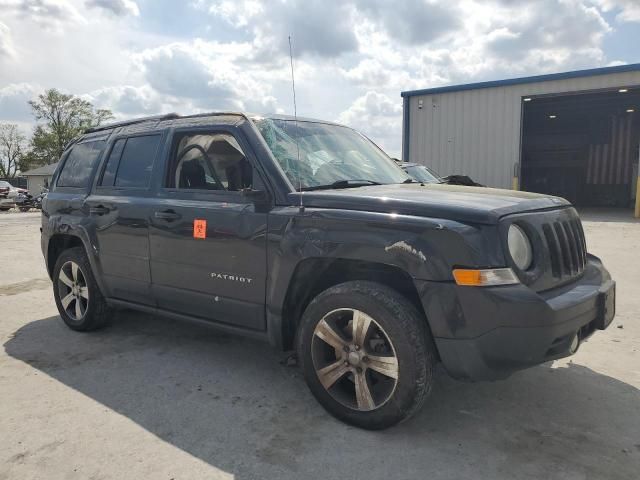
477,132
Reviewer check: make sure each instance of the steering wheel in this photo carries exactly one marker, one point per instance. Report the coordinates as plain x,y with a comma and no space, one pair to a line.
195,146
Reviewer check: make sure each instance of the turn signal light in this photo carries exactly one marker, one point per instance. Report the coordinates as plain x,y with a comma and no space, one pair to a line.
485,277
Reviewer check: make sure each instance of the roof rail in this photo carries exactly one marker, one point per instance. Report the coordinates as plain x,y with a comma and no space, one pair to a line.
124,123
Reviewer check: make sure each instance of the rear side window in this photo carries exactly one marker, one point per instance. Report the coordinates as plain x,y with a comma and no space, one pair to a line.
131,161
79,164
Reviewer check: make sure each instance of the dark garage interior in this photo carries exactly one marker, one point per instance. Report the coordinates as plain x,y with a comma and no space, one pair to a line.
583,147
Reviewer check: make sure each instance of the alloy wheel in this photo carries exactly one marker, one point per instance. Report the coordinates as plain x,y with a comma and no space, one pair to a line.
354,359
73,290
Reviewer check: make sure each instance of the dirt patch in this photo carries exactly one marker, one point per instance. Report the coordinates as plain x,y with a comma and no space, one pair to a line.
26,286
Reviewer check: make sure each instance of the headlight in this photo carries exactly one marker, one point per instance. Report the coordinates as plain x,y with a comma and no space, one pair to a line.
519,247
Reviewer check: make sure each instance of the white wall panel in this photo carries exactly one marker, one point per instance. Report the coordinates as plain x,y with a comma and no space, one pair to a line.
477,132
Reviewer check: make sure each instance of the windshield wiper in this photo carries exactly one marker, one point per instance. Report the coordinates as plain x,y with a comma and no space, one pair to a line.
341,184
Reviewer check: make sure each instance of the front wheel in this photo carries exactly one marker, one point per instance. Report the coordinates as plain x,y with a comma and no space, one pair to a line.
366,354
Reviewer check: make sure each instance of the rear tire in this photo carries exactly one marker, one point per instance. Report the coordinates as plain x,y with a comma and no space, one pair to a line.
78,298
366,354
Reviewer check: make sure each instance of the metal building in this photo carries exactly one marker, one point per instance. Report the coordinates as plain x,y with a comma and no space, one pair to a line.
572,134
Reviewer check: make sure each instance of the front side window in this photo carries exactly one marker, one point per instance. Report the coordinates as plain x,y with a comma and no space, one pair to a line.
208,161
79,164
315,154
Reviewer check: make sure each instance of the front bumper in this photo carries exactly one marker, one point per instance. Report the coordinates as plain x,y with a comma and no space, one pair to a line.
7,203
488,333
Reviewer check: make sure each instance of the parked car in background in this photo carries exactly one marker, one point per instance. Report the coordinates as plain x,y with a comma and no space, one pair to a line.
8,195
421,173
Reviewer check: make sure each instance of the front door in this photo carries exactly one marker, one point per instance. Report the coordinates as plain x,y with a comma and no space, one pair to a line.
207,238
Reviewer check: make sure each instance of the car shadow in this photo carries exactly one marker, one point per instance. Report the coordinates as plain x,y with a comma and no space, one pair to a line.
234,403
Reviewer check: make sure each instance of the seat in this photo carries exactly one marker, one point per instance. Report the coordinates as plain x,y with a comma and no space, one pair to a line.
192,175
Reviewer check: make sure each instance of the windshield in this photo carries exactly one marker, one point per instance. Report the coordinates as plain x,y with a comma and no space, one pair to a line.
330,155
422,174
5,184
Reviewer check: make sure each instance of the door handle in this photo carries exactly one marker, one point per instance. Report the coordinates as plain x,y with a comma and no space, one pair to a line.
99,210
168,215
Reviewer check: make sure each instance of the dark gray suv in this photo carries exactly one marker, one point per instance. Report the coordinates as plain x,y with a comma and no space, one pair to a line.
305,234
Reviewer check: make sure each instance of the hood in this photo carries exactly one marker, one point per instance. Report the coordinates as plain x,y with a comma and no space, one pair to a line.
453,202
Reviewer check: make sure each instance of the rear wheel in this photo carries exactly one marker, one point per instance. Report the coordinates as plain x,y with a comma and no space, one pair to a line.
78,298
366,354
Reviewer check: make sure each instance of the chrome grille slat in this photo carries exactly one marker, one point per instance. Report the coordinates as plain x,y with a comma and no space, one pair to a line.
567,247
554,250
573,248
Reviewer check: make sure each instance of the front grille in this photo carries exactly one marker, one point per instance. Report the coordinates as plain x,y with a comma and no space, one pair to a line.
567,247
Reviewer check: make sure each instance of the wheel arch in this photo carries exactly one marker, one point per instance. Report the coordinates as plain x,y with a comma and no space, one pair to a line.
327,272
60,242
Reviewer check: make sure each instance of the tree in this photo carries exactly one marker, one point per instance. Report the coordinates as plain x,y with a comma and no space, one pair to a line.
12,144
64,117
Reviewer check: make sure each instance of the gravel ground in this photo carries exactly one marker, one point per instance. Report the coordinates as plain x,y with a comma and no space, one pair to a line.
154,398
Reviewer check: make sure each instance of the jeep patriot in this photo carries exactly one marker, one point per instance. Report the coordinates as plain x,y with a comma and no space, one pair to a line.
305,234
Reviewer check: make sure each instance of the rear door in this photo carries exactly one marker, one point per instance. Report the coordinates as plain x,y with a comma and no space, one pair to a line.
120,207
207,237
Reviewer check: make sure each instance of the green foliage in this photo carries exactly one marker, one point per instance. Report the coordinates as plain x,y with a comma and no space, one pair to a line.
63,117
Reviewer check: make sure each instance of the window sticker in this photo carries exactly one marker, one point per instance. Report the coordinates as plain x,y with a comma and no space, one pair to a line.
199,228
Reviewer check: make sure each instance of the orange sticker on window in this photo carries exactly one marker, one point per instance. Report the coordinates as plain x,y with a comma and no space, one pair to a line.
199,228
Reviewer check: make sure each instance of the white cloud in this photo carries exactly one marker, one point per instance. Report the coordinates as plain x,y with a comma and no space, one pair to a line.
412,22
628,10
6,42
379,117
318,27
129,101
51,15
352,58
119,8
212,76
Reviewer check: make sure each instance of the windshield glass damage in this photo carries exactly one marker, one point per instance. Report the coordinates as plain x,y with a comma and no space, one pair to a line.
330,156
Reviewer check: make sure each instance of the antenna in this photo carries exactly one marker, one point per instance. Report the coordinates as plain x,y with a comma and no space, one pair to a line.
295,117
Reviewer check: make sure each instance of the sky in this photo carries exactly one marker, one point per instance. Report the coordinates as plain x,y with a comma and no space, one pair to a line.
352,58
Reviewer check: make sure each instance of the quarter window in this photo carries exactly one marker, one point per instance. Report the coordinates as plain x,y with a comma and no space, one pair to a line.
79,164
208,161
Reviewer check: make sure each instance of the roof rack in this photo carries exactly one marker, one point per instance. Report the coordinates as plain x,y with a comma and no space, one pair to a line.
124,123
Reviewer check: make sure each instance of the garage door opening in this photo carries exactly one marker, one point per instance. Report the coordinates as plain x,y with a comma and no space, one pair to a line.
583,147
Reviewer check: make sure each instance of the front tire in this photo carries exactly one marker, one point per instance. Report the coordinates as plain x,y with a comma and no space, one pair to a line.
78,298
366,354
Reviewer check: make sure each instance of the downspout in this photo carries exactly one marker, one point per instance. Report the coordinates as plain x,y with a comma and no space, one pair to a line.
405,128
637,210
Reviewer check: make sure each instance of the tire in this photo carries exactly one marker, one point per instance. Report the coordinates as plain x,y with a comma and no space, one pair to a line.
25,209
5,209
78,298
392,357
